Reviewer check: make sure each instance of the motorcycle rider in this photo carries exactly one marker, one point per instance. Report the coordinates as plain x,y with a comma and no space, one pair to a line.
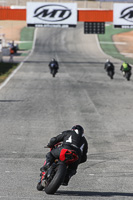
109,67
125,67
53,64
73,140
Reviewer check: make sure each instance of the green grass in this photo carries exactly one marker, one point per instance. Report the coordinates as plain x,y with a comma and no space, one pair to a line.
6,69
26,36
111,49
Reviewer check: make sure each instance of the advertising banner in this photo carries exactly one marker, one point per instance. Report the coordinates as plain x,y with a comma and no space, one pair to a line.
51,14
123,15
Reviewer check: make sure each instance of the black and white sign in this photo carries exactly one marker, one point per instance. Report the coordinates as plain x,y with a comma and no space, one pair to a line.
51,14
123,15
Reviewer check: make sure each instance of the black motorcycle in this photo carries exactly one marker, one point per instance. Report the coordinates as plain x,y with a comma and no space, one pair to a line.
53,177
109,68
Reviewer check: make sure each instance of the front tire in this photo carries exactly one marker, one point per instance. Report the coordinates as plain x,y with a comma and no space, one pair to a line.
57,180
39,187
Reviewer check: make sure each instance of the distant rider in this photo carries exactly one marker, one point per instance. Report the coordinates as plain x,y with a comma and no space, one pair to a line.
53,64
73,140
125,67
109,67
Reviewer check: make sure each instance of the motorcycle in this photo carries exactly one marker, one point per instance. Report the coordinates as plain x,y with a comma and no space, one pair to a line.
127,75
53,177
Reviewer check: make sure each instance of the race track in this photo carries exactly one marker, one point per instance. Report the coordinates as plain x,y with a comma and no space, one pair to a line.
35,107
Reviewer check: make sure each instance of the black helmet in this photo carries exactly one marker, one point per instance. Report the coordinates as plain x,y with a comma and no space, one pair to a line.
78,129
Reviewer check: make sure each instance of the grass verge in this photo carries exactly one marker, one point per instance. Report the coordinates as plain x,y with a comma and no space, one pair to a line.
26,38
6,69
111,49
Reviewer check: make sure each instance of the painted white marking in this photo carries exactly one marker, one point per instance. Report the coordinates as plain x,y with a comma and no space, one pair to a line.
23,41
19,138
121,43
127,53
14,152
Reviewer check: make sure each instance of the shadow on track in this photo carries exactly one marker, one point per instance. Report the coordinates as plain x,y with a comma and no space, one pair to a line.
8,101
67,62
64,62
91,193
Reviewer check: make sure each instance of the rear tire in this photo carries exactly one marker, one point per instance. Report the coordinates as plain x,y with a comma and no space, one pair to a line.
128,76
110,74
53,72
57,180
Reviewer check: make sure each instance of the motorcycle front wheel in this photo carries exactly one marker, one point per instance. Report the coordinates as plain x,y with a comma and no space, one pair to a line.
39,187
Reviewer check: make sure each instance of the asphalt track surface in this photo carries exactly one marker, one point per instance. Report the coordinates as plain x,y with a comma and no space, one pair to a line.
34,107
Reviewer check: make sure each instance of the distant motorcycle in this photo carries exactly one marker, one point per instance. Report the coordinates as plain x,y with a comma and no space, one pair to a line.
53,66
110,68
53,177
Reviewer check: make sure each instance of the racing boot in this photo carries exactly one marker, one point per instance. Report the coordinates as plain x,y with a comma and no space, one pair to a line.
68,176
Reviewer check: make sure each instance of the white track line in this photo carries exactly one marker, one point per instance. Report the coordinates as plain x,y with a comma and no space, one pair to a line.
121,43
20,65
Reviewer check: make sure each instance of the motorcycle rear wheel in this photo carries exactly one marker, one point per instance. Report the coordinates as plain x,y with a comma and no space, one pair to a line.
110,74
57,180
127,75
53,72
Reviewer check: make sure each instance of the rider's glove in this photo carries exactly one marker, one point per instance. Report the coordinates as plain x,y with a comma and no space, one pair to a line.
49,145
